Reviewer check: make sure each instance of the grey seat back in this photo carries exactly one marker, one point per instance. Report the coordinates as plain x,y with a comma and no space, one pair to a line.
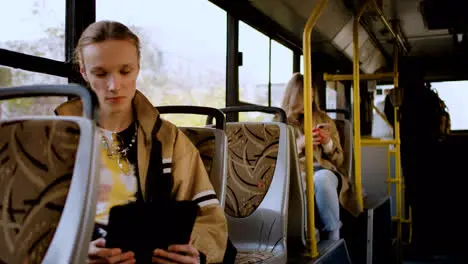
297,214
47,189
258,190
212,145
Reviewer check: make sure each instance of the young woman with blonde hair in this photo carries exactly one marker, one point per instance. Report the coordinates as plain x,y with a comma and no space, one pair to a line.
331,184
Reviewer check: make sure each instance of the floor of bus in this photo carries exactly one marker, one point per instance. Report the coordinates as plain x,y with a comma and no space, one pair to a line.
442,260
326,247
437,259
439,256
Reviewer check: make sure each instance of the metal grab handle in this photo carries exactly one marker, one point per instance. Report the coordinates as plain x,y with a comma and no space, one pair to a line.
52,90
252,108
197,110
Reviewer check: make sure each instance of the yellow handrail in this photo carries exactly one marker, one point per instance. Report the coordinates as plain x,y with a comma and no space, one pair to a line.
397,146
395,36
307,49
357,101
349,77
390,179
356,107
358,142
377,142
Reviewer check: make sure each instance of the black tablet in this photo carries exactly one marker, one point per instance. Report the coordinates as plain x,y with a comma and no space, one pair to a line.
142,228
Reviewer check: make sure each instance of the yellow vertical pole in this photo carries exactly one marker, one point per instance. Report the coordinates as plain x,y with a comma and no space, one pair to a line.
398,179
357,109
397,147
308,92
389,171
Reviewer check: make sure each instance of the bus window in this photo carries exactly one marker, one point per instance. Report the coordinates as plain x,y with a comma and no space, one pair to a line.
454,95
258,71
331,99
253,74
28,106
180,65
302,64
34,27
281,71
255,117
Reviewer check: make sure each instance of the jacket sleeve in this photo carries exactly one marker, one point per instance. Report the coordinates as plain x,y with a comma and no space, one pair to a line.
335,155
191,182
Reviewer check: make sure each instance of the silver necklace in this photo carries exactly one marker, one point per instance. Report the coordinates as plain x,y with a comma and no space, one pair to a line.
117,151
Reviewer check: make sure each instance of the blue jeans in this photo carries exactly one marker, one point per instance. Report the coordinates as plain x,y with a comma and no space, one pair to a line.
326,199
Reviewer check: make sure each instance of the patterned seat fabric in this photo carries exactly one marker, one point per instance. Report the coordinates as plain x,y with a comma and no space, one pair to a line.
37,158
253,151
205,142
253,257
257,190
211,144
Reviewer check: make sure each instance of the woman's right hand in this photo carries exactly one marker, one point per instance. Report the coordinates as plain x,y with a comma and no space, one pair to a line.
98,253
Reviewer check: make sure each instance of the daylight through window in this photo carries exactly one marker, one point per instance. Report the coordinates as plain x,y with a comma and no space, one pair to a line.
183,60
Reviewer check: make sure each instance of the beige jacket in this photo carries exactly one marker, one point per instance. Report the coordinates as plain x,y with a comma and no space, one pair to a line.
191,180
331,160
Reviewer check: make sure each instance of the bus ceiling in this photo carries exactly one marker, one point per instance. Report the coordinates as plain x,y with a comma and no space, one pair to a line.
429,30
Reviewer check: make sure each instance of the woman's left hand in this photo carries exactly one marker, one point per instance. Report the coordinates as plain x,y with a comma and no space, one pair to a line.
185,254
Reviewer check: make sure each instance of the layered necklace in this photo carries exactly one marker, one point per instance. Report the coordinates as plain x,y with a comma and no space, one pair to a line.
116,150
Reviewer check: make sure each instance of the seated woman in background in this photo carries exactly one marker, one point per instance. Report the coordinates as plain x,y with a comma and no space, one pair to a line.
331,185
108,55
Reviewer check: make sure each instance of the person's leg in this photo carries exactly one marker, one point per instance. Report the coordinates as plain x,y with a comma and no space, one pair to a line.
326,196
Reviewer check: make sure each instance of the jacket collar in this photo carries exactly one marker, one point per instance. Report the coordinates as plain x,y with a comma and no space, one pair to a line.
146,113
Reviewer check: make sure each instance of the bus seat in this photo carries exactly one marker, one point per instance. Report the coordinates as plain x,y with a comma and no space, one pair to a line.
345,130
210,141
212,145
297,211
47,188
257,190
